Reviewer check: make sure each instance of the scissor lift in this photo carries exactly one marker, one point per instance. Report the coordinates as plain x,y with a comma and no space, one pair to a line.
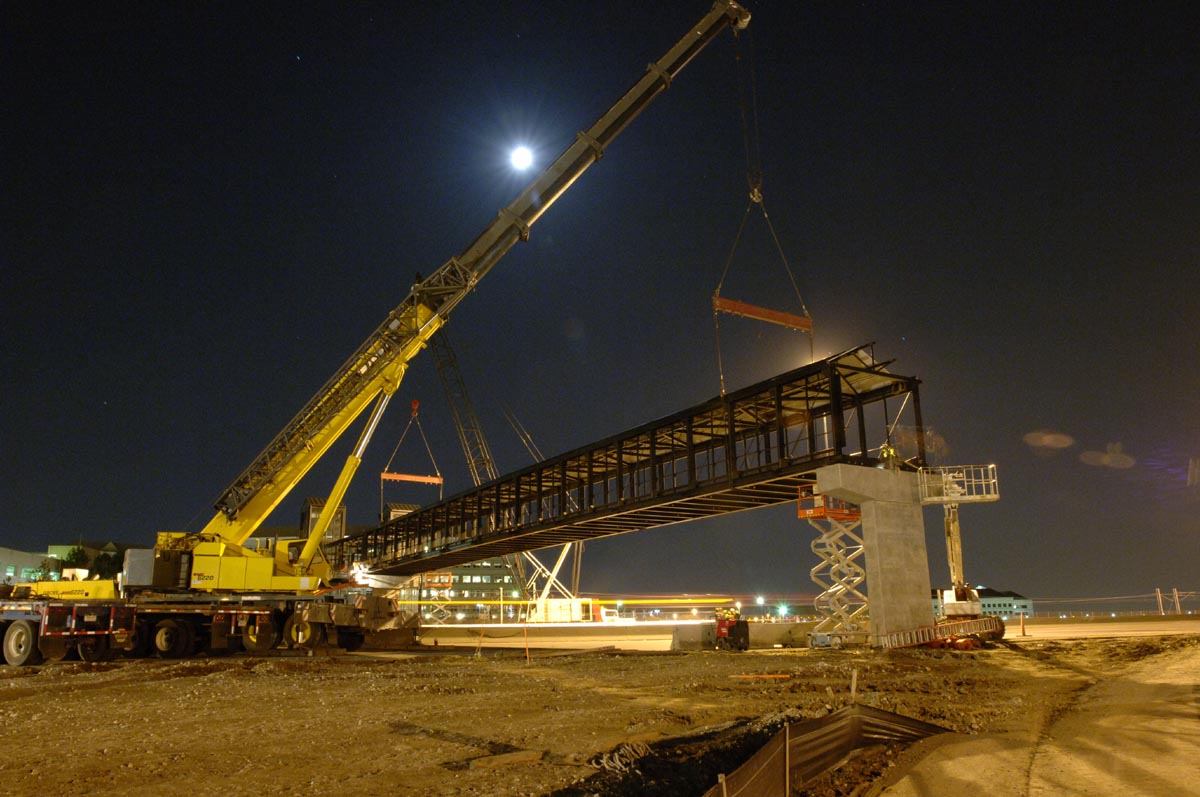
839,573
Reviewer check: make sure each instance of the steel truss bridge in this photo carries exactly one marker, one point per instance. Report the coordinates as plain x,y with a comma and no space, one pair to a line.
747,449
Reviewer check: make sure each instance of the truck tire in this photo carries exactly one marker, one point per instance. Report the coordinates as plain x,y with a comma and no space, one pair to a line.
94,649
21,644
302,633
173,639
260,635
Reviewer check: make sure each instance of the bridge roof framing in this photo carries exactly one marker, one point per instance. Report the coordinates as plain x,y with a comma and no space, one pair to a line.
751,448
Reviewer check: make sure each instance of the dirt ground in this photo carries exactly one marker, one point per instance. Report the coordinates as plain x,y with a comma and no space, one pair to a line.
453,723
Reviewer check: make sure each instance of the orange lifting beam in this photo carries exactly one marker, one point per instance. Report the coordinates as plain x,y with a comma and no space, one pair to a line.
733,307
410,477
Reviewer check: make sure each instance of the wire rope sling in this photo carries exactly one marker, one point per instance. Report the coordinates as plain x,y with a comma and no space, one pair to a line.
801,322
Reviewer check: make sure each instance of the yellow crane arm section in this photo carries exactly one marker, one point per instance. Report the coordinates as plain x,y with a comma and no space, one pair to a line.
291,469
379,364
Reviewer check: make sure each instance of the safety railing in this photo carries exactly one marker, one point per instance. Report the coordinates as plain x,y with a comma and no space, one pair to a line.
958,484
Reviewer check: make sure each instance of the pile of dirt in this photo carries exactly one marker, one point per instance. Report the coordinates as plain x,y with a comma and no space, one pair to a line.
446,723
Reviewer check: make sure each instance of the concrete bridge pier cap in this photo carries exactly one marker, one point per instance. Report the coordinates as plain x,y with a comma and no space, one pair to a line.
893,530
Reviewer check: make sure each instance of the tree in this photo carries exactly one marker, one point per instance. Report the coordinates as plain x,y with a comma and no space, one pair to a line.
49,565
106,565
76,557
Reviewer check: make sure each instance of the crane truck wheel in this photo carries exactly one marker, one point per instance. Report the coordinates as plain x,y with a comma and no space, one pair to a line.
94,649
302,633
173,639
21,644
260,635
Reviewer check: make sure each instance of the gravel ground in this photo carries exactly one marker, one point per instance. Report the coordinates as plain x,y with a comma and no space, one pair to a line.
453,723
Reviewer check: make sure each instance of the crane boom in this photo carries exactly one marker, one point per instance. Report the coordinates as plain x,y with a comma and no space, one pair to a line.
375,370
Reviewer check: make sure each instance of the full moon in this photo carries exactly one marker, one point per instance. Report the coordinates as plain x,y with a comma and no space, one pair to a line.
522,158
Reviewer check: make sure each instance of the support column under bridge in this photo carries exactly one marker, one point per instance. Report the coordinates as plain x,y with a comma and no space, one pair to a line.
893,536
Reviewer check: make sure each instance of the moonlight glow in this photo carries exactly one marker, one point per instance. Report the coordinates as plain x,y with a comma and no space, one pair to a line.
522,158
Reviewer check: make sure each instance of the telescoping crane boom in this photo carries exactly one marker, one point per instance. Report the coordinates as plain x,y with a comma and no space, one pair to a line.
371,375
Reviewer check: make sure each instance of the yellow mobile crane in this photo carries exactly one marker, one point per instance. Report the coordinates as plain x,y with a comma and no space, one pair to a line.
215,561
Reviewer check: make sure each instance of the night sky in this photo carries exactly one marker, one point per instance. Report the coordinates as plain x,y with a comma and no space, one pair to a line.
207,207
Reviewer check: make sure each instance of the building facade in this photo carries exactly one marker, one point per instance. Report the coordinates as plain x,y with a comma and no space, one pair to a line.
16,566
995,603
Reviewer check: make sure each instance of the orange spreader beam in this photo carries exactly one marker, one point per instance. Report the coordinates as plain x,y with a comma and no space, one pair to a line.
802,323
410,477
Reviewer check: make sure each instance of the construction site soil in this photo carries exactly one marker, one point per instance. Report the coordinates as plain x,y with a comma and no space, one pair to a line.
560,723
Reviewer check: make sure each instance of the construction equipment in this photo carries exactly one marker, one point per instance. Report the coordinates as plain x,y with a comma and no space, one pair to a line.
189,586
841,604
951,486
733,633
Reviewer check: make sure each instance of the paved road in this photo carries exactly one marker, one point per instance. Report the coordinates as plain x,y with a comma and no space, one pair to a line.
1119,628
1136,734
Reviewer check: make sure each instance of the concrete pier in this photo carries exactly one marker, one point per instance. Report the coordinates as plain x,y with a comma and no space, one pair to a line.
893,531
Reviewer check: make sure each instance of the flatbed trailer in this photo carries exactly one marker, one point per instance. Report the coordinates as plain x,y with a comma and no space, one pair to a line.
36,629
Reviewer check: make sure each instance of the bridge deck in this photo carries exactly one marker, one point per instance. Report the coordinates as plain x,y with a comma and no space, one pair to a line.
748,449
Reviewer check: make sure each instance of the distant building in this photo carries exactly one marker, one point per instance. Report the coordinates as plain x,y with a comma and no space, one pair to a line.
310,514
485,580
489,579
997,604
393,510
19,565
23,566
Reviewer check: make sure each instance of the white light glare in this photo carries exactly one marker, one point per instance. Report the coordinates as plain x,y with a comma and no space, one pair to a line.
522,158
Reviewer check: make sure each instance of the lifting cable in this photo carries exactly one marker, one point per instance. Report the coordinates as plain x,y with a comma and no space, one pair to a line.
386,475
754,180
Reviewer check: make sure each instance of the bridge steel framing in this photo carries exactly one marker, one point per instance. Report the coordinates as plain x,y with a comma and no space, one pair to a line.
751,448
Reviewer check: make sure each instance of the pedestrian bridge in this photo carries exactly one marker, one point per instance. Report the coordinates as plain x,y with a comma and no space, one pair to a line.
747,449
